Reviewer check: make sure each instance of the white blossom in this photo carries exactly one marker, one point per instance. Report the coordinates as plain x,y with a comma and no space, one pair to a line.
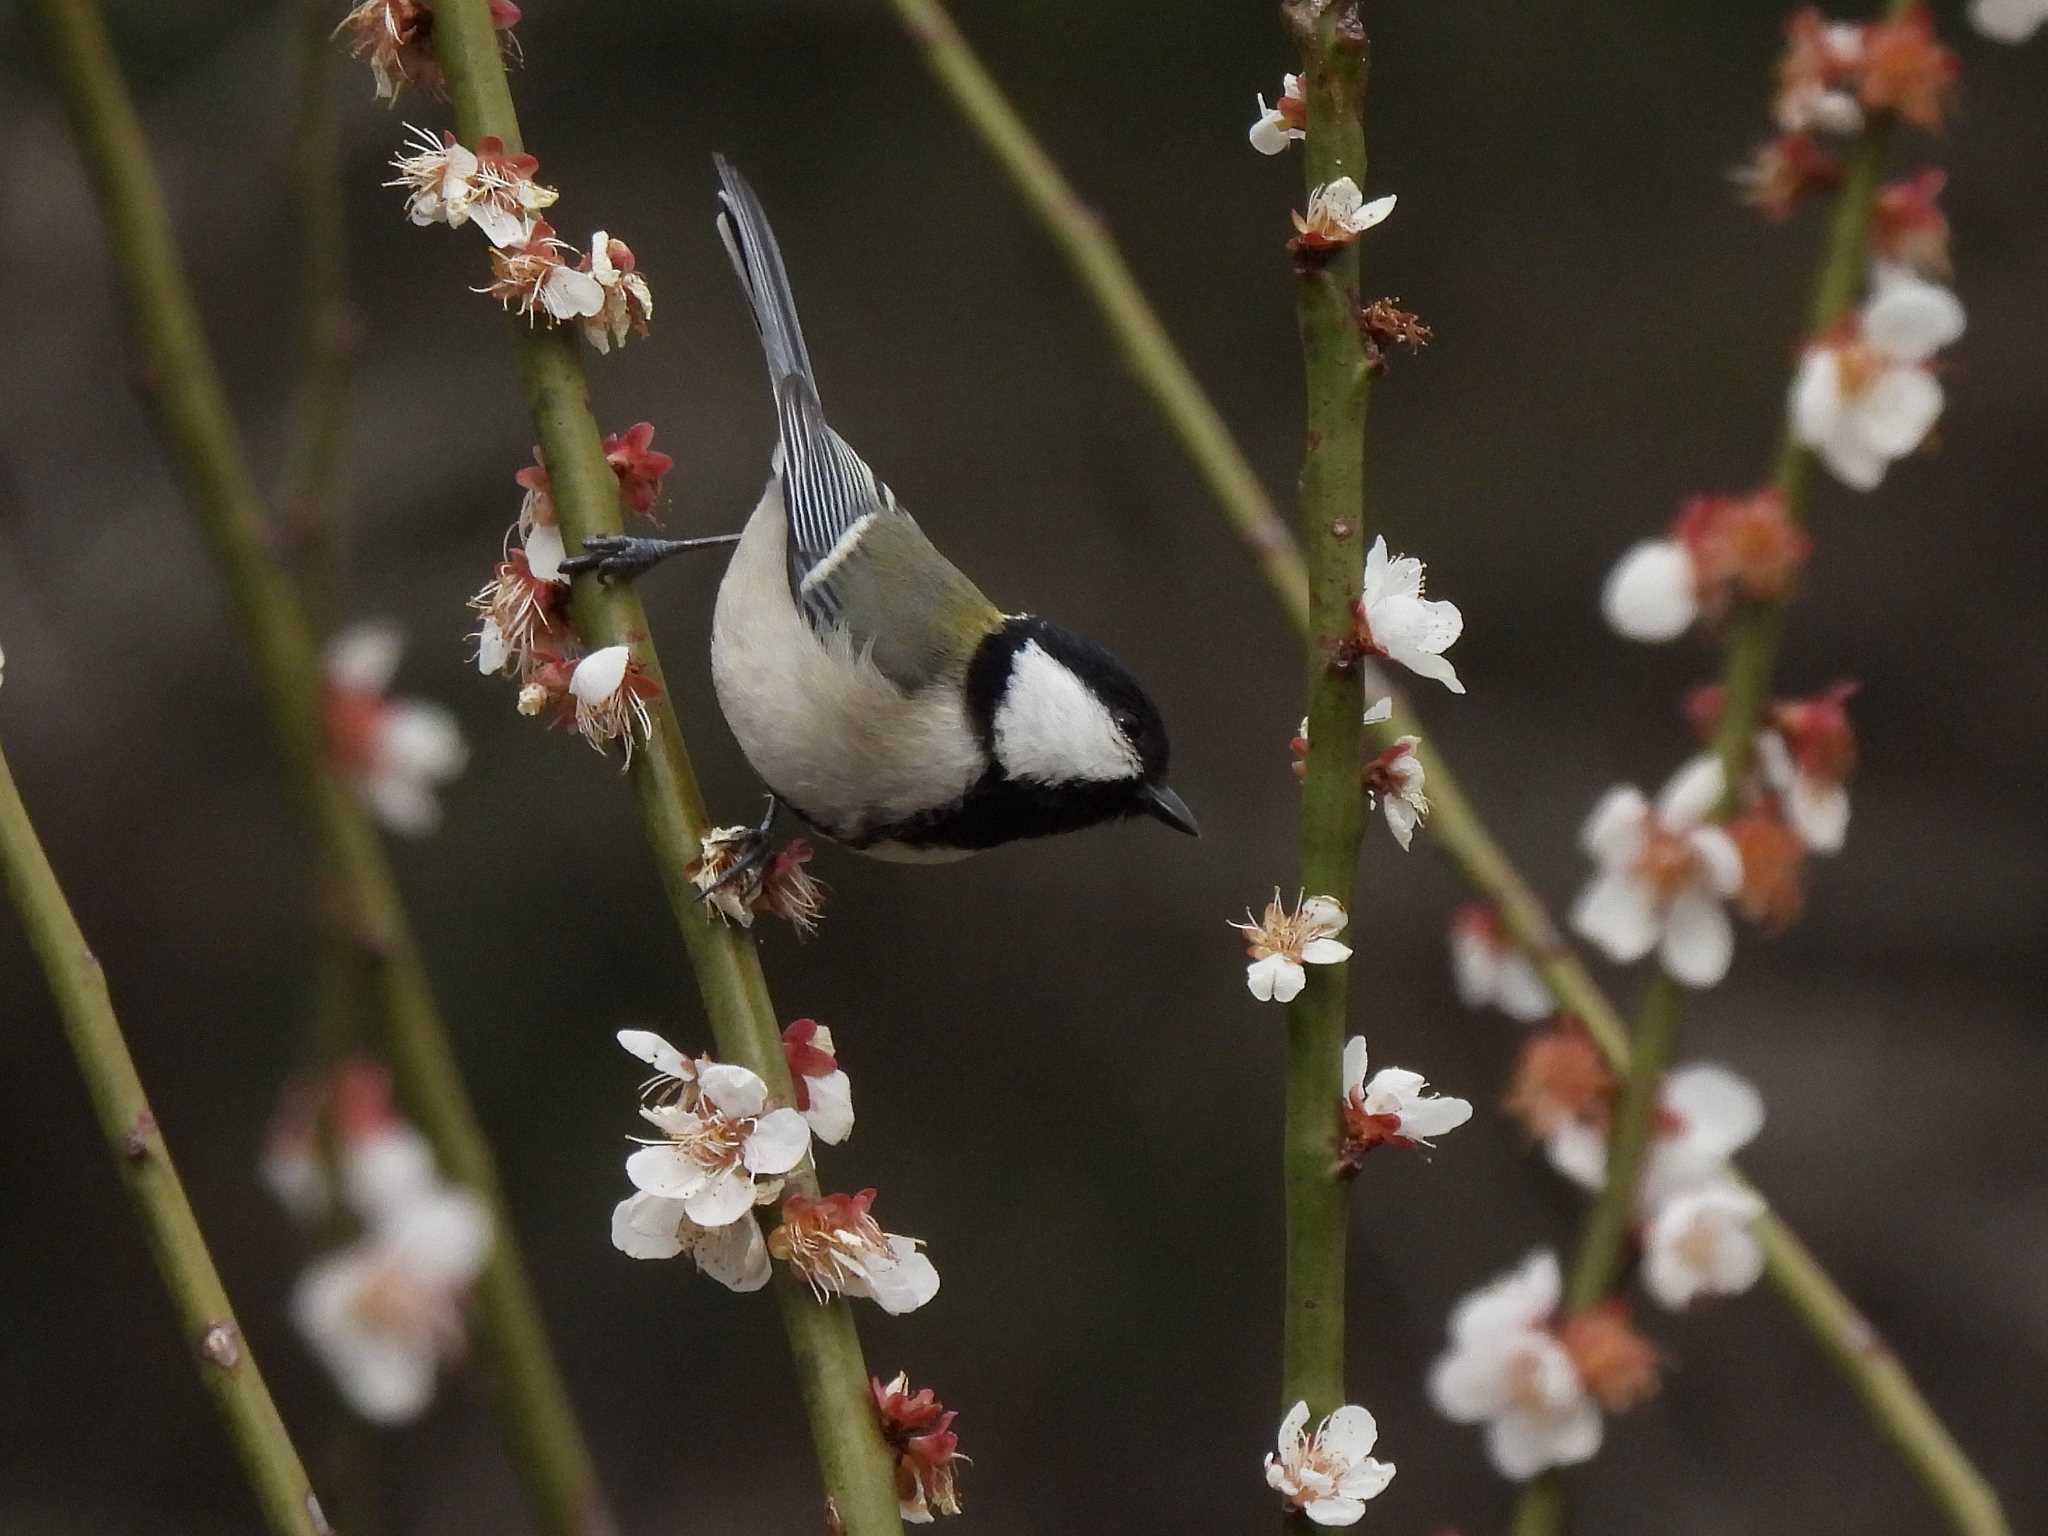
1507,1370
2006,21
396,753
607,688
824,1091
1401,624
648,1226
1651,594
1866,400
715,1148
1706,1114
1338,213
1272,132
1396,1095
383,1312
449,184
1397,784
1490,969
1662,876
1283,942
1814,807
1699,1244
627,303
838,1249
1329,1475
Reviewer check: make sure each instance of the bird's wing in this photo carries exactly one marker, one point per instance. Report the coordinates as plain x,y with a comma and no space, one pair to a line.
848,539
906,605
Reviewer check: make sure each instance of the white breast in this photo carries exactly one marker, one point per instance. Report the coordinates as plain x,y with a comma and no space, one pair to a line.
820,723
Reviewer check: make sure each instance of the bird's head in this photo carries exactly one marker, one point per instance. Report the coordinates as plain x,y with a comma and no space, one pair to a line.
1064,721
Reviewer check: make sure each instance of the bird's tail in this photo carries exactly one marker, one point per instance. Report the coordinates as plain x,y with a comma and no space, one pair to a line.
743,225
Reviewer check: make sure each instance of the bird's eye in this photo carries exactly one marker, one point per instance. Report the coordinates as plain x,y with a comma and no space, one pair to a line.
1125,721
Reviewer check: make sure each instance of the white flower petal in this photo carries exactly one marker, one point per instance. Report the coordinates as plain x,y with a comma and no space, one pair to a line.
906,1282
1325,952
665,1171
1692,794
1326,913
1899,409
1291,1427
1699,940
1912,319
1521,992
2008,21
1333,1509
780,1140
1853,462
1650,594
1376,712
831,1113
1719,860
733,1090
1819,813
735,1255
1401,819
383,1173
568,294
1433,1116
1816,402
1367,1479
364,656
1614,831
721,1200
1275,979
443,1238
598,676
1719,1109
1468,1386
1354,1062
1617,912
1374,212
657,1053
1579,1152
545,553
644,1226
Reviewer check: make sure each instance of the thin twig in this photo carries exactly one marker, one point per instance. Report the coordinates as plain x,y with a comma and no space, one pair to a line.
308,520
1901,1413
222,1353
855,1465
182,392
1332,808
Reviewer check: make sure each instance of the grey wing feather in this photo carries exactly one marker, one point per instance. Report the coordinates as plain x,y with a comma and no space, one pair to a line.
827,488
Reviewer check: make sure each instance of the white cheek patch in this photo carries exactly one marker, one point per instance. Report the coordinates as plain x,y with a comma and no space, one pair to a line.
1051,729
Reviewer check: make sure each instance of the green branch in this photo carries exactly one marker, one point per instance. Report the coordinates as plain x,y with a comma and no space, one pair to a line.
182,391
1332,808
1455,825
308,525
855,1465
221,1351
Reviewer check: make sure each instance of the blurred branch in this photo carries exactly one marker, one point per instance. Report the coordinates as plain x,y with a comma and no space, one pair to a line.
858,1472
1332,807
1107,279
181,390
309,527
1750,652
1901,1413
226,1363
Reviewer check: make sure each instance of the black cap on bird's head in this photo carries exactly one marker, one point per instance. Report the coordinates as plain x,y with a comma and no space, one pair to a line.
1070,728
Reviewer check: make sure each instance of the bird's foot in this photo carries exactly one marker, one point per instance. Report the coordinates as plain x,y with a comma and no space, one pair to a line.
624,556
744,858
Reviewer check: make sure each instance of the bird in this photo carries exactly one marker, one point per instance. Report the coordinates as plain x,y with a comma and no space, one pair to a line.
872,687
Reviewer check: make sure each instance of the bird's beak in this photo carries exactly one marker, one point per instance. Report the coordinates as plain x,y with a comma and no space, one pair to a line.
1164,805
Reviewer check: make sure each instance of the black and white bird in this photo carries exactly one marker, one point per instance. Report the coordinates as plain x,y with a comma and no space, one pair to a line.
872,686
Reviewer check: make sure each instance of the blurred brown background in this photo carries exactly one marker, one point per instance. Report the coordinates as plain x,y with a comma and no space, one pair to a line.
1061,1082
